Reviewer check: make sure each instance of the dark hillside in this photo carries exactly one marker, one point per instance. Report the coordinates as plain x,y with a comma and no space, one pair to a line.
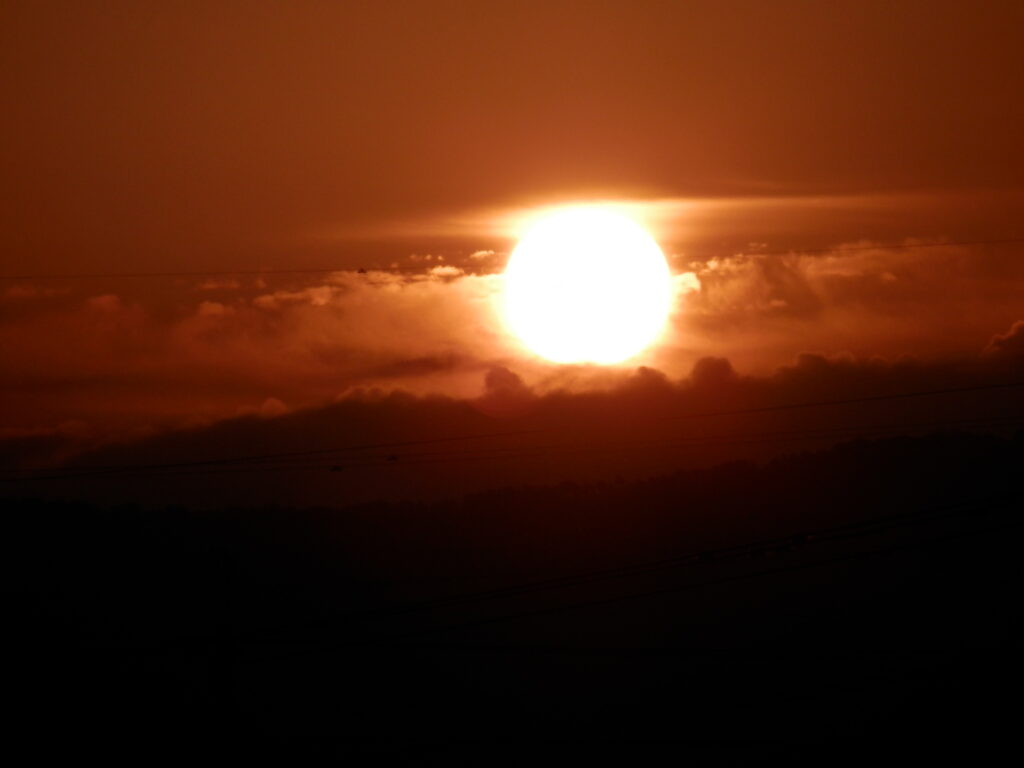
863,592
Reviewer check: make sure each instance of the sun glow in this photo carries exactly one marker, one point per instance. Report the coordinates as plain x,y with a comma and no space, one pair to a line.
587,284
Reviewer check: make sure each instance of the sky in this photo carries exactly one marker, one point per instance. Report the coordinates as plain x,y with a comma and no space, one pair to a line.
829,181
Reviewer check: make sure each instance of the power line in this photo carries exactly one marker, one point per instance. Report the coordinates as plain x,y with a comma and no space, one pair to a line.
854,400
330,270
184,273
703,557
842,532
781,544
663,591
258,458
510,453
887,247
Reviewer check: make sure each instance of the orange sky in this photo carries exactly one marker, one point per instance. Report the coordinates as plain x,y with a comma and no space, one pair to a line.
176,136
200,134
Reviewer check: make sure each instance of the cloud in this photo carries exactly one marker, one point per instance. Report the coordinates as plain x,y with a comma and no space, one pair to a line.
1009,344
23,290
109,359
712,372
505,394
445,270
686,282
219,285
272,407
318,296
141,356
213,309
108,302
643,423
926,299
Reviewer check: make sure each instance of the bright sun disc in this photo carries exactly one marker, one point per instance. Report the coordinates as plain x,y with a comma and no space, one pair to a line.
587,285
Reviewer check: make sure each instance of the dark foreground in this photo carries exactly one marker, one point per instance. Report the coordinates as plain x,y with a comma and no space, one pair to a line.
858,598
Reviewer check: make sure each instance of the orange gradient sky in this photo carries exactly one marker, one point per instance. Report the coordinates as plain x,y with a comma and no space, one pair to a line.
800,163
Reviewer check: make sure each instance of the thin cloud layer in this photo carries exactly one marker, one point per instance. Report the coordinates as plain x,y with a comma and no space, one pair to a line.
109,357
134,357
923,300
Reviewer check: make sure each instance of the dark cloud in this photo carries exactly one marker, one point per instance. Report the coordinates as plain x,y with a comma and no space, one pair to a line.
505,394
712,372
144,356
500,382
1009,344
373,443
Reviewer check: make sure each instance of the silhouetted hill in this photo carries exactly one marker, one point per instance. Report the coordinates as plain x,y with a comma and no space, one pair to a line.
862,592
374,446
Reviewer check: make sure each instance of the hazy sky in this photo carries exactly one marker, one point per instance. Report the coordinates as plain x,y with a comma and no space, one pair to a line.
233,133
169,136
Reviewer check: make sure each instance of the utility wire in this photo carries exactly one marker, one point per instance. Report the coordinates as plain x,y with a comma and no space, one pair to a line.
510,453
791,542
787,543
255,458
703,557
184,273
854,400
330,270
678,589
844,532
886,247
291,454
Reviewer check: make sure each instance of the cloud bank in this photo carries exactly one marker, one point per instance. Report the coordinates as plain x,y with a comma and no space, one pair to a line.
129,358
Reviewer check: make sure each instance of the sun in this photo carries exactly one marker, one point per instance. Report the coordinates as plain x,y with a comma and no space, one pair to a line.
587,284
